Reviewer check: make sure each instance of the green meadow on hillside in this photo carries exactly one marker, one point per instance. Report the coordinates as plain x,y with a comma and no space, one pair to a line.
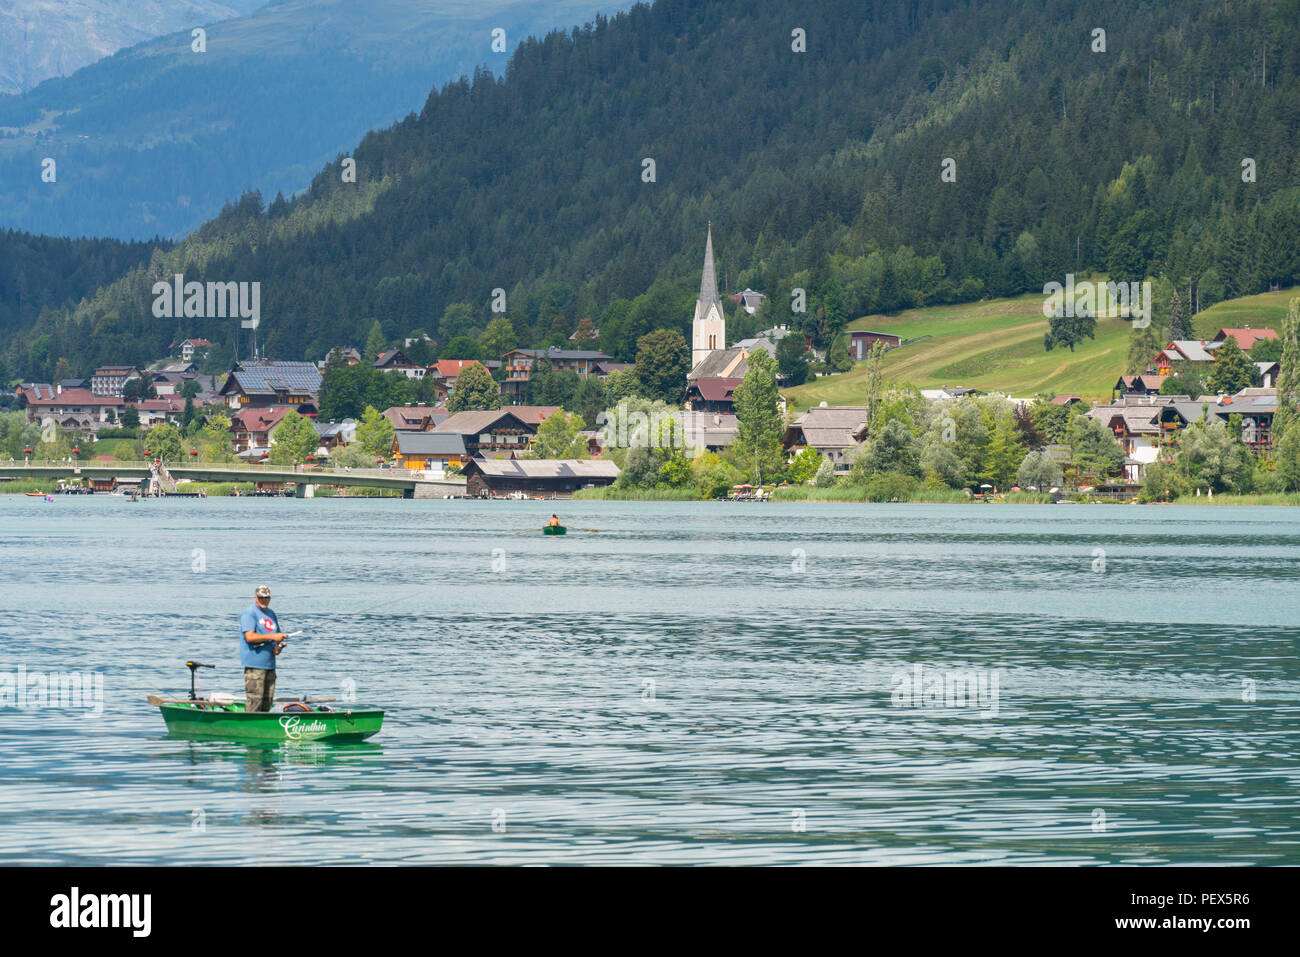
997,345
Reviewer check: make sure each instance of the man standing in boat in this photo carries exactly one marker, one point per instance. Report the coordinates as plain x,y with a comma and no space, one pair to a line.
263,640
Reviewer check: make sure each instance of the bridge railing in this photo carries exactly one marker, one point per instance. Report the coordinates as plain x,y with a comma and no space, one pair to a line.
180,469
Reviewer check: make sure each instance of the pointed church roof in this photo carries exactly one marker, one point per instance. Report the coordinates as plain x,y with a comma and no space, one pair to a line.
709,281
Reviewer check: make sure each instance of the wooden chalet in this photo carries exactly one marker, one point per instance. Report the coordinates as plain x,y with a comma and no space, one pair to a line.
505,430
560,478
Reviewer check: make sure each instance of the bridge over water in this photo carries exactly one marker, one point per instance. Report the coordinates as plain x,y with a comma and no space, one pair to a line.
410,484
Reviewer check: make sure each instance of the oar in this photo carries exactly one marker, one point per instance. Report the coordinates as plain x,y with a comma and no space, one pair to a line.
576,529
537,529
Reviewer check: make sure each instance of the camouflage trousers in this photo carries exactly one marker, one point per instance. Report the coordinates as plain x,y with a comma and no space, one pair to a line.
259,685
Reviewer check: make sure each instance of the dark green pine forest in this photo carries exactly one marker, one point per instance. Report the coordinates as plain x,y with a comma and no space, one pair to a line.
818,169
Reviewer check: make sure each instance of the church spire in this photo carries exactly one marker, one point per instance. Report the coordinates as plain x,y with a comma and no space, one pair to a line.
709,328
709,281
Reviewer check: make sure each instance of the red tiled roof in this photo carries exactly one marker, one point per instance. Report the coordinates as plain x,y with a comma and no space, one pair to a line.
68,397
717,390
532,414
259,420
450,368
1245,337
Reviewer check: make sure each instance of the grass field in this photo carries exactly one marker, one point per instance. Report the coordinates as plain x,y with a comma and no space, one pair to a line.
997,345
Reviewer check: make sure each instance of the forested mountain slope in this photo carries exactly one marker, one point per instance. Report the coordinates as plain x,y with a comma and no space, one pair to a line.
818,168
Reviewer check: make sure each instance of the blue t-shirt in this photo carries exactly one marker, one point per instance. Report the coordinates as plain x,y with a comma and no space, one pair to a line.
262,622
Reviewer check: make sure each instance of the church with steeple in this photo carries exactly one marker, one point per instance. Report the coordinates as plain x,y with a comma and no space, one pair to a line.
716,371
709,329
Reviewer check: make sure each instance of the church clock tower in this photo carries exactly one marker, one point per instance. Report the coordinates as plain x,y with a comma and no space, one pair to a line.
709,329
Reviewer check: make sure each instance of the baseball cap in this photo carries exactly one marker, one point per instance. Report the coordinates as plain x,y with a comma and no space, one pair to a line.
263,591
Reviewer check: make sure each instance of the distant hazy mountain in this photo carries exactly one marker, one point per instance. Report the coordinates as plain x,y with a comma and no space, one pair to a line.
155,139
40,39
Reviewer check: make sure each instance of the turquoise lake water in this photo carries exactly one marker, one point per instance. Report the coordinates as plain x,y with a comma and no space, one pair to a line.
695,683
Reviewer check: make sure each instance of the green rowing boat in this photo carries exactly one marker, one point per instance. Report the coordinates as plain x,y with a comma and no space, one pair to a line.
554,530
211,719
224,716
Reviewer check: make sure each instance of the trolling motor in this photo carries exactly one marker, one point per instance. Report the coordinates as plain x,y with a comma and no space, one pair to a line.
194,667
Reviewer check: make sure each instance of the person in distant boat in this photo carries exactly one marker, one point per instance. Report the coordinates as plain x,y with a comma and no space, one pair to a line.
554,521
262,642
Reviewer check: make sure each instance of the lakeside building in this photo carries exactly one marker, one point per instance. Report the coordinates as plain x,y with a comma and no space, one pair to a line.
550,477
265,384
428,451
1146,425
833,431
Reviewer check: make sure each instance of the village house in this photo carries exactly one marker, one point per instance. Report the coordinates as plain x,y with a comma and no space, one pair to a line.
428,451
861,342
68,408
446,371
251,428
1144,425
947,393
349,357
495,432
416,418
1146,384
712,395
267,384
109,380
558,478
749,300
395,360
335,435
168,408
190,349
833,431
1256,406
519,365
707,431
603,370
1196,352
1246,337
1268,373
